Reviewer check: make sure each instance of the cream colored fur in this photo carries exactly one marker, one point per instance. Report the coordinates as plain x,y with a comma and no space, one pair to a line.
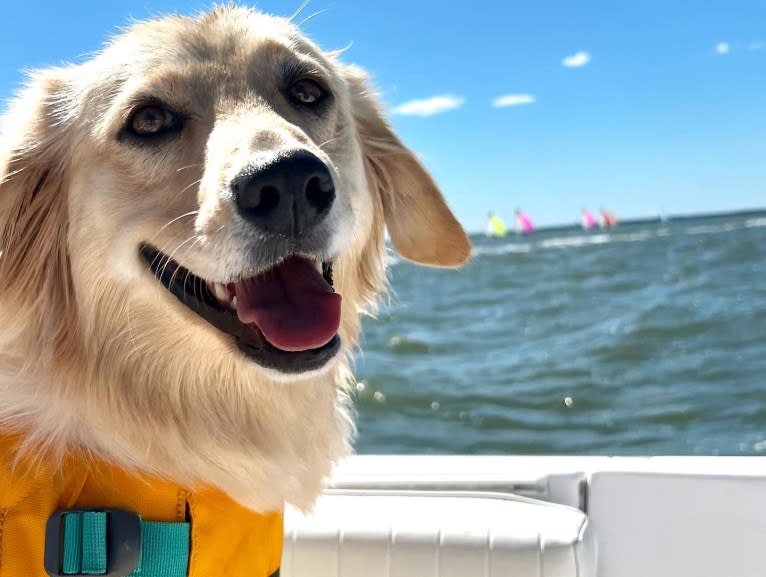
96,357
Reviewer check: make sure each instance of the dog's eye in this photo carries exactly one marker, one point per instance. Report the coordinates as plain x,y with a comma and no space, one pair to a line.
152,120
307,91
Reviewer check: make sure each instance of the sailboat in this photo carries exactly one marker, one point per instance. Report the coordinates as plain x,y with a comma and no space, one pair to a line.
495,226
524,224
588,220
608,219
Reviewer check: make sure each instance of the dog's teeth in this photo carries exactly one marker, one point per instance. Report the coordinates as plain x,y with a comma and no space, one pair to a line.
318,265
220,291
233,303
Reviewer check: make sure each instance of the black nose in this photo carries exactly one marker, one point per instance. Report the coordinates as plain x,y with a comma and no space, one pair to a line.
288,196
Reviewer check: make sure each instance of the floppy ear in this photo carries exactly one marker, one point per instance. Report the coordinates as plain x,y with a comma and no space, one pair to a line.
421,226
34,260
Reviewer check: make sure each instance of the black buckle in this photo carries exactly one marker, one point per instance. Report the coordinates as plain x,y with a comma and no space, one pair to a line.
123,541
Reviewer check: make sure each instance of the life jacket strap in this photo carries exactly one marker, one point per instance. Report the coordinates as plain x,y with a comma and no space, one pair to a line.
113,542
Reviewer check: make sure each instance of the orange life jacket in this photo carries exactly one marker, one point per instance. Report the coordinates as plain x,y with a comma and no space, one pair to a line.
226,538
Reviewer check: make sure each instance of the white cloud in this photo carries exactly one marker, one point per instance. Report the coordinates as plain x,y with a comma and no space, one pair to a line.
429,106
576,60
513,100
722,48
756,46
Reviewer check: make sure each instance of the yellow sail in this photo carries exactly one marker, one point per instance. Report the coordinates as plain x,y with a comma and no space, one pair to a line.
496,226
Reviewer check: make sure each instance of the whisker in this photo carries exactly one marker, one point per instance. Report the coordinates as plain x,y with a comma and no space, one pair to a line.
170,222
342,133
179,217
188,186
172,254
328,141
337,53
169,257
193,287
161,271
311,17
196,164
195,280
198,288
299,11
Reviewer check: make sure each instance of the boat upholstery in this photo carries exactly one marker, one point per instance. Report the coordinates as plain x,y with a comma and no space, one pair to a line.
391,533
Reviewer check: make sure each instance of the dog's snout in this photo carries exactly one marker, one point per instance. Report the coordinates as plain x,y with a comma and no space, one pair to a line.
288,196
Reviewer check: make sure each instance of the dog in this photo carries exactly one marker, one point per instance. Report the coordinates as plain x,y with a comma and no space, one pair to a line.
191,223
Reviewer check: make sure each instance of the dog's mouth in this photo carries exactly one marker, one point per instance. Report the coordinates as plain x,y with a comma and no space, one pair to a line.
285,318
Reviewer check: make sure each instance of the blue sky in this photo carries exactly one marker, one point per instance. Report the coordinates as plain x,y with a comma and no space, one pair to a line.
663,106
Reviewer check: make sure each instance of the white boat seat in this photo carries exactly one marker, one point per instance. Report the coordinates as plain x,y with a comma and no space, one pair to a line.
437,534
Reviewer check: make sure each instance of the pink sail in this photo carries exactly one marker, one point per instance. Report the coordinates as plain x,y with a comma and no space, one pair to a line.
588,220
524,223
609,219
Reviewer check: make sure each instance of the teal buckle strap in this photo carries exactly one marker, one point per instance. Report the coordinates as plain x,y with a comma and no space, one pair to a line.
112,542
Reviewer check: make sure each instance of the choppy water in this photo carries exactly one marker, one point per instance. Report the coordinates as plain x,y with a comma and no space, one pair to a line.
650,339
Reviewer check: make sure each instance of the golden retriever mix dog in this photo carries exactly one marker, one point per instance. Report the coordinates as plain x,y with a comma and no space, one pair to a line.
191,223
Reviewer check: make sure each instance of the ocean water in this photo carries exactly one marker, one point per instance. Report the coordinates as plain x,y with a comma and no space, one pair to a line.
648,339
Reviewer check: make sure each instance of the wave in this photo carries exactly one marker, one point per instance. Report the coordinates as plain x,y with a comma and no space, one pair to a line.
404,344
502,249
558,242
712,228
569,241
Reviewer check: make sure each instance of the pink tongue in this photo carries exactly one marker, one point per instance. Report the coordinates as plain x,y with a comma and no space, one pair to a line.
292,305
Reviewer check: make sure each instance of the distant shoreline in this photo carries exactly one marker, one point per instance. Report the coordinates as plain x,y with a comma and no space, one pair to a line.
655,219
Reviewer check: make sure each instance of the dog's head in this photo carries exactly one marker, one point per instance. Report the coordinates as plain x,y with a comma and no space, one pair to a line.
190,223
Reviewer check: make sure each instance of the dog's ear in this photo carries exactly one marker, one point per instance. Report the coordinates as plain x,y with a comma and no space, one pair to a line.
33,203
421,226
